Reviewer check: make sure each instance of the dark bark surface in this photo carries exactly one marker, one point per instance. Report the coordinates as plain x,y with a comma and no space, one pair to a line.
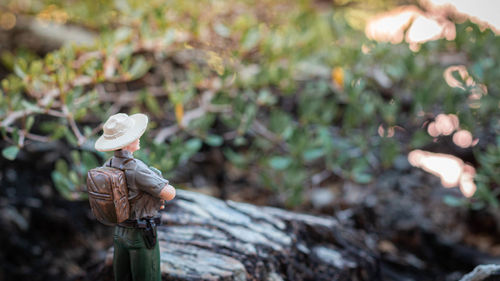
204,238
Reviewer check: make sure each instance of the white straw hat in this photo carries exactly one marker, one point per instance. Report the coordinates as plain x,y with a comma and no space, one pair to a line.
121,130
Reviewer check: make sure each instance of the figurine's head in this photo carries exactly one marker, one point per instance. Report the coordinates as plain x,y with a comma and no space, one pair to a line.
122,131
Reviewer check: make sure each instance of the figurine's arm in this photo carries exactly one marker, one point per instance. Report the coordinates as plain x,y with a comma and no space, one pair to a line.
168,192
152,183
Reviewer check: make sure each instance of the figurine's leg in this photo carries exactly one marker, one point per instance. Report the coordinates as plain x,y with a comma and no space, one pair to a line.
121,257
146,263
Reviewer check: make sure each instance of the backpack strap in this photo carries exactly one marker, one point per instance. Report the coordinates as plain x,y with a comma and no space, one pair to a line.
130,176
107,163
122,165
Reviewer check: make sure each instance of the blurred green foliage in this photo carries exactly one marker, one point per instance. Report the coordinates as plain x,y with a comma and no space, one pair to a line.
489,174
293,88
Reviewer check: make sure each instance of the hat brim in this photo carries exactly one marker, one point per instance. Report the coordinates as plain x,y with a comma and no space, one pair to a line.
141,122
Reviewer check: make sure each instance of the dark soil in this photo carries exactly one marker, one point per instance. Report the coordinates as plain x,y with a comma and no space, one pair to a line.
45,237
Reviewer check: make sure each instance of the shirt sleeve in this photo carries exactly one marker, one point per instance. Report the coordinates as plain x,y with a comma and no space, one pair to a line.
148,181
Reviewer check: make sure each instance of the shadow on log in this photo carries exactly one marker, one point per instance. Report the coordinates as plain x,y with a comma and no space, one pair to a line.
204,238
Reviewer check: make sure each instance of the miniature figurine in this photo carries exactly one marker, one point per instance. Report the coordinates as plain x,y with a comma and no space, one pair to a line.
127,193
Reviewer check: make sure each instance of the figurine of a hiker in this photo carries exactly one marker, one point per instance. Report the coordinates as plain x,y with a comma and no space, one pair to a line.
127,193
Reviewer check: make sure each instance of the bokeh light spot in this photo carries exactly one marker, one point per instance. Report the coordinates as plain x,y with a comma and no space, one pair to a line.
450,169
7,21
481,12
338,76
462,72
390,26
446,124
432,130
463,138
425,29
383,133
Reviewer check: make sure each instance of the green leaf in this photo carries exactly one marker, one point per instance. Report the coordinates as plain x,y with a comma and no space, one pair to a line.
5,84
10,152
19,72
70,137
419,139
249,116
125,52
222,30
73,177
89,160
453,201
58,131
193,144
239,141
477,205
75,156
80,113
29,122
362,177
30,106
236,158
360,173
62,167
36,68
266,98
139,68
169,36
214,140
15,135
280,162
122,34
63,185
250,39
151,103
122,6
279,121
3,132
312,154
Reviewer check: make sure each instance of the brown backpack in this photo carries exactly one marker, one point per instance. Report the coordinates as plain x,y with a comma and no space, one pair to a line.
108,194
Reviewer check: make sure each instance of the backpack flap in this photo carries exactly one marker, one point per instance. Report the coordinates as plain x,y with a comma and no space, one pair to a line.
120,198
108,195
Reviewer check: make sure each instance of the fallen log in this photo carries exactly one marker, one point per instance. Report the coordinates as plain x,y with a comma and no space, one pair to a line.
204,238
485,272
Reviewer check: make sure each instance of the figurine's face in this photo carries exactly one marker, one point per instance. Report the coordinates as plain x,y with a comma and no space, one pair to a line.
133,147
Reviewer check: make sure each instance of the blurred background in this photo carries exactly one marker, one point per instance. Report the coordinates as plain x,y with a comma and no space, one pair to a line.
382,113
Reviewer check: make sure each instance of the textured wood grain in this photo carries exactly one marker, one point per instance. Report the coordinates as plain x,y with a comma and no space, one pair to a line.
204,238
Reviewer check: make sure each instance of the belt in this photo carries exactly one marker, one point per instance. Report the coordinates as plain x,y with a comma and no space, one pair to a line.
140,223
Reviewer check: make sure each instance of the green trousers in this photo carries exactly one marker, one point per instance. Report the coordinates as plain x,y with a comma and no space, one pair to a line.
132,261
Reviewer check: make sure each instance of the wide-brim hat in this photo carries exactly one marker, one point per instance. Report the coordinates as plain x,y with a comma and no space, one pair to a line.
121,130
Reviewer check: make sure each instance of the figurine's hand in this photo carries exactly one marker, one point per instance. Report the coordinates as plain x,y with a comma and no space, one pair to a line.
163,204
167,193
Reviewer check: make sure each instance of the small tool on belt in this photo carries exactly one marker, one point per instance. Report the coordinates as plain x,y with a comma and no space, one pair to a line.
148,227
